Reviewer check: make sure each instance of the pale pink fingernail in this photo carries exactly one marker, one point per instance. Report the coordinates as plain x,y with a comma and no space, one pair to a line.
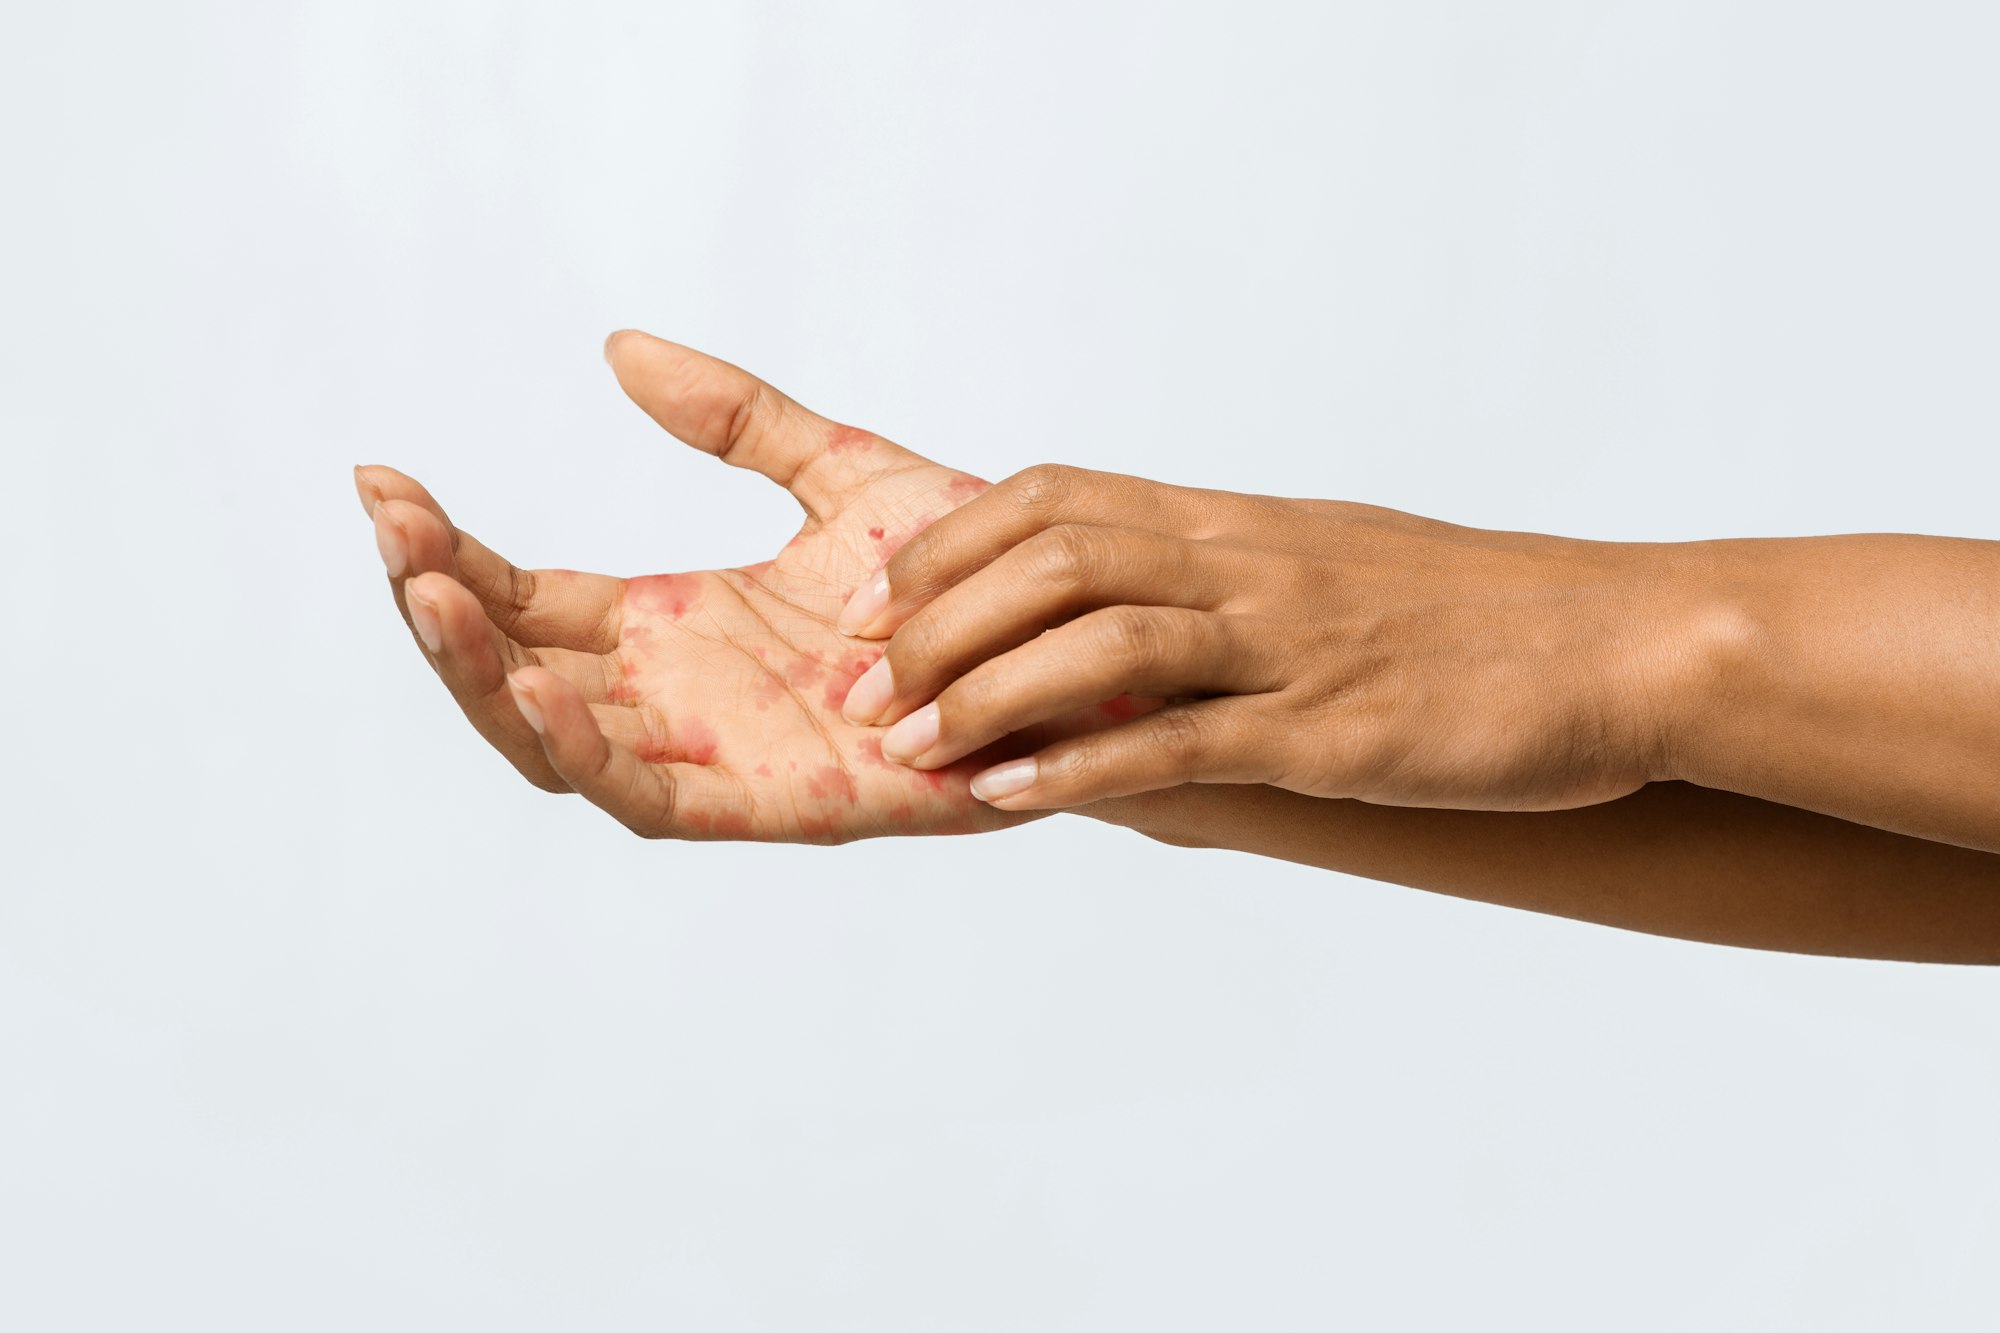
391,541
869,695
912,736
1016,775
869,602
424,615
370,497
524,699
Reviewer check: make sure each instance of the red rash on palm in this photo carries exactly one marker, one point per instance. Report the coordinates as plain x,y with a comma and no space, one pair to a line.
691,741
671,595
742,671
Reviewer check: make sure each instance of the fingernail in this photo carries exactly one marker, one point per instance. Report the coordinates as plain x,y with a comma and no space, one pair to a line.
424,615
370,497
524,699
869,602
1016,775
391,542
869,695
913,735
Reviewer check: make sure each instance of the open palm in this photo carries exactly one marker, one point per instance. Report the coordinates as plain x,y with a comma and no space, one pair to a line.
704,704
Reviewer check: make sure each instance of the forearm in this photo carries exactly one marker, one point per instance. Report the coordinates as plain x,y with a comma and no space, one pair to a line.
1670,859
1858,676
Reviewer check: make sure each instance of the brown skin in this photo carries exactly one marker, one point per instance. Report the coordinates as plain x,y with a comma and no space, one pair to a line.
1670,859
1343,650
707,705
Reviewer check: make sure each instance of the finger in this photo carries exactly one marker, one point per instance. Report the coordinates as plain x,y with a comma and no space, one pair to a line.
1119,651
1208,741
726,411
562,607
654,800
427,550
472,659
978,532
1052,577
374,483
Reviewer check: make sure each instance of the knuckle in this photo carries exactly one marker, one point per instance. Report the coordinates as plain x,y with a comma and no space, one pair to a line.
972,701
520,589
919,569
1180,735
1043,487
745,413
1068,554
1130,636
916,649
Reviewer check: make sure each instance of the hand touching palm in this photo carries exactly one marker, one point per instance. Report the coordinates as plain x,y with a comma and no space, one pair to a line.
704,704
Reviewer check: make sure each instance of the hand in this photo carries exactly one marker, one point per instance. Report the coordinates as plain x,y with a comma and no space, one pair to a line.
702,704
1334,649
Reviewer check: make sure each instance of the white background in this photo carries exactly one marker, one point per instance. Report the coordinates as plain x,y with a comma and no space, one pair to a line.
313,1016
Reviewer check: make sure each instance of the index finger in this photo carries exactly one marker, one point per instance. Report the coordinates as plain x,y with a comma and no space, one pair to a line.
969,538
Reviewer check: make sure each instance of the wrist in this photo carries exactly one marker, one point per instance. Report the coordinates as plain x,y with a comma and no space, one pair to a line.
1703,631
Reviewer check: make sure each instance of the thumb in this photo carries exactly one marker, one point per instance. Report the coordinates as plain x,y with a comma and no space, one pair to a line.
723,410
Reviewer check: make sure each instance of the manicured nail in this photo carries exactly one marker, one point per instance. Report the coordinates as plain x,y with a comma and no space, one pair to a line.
870,695
912,736
869,602
524,699
370,497
391,542
424,615
1016,775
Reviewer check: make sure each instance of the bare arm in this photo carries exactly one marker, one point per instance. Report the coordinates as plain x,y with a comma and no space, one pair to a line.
1854,675
1669,859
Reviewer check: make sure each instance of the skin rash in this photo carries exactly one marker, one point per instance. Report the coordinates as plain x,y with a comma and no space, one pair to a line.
1790,811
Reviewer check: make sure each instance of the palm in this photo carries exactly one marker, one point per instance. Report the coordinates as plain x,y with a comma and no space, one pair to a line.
743,672
703,704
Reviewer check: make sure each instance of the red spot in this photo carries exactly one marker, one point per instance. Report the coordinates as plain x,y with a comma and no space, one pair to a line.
664,594
732,824
816,828
759,571
886,546
963,487
689,741
763,770
934,778
696,739
625,691
802,671
698,820
845,674
901,814
871,750
1122,707
828,782
847,439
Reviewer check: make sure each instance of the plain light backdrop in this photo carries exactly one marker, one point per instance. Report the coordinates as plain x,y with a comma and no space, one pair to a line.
314,1016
